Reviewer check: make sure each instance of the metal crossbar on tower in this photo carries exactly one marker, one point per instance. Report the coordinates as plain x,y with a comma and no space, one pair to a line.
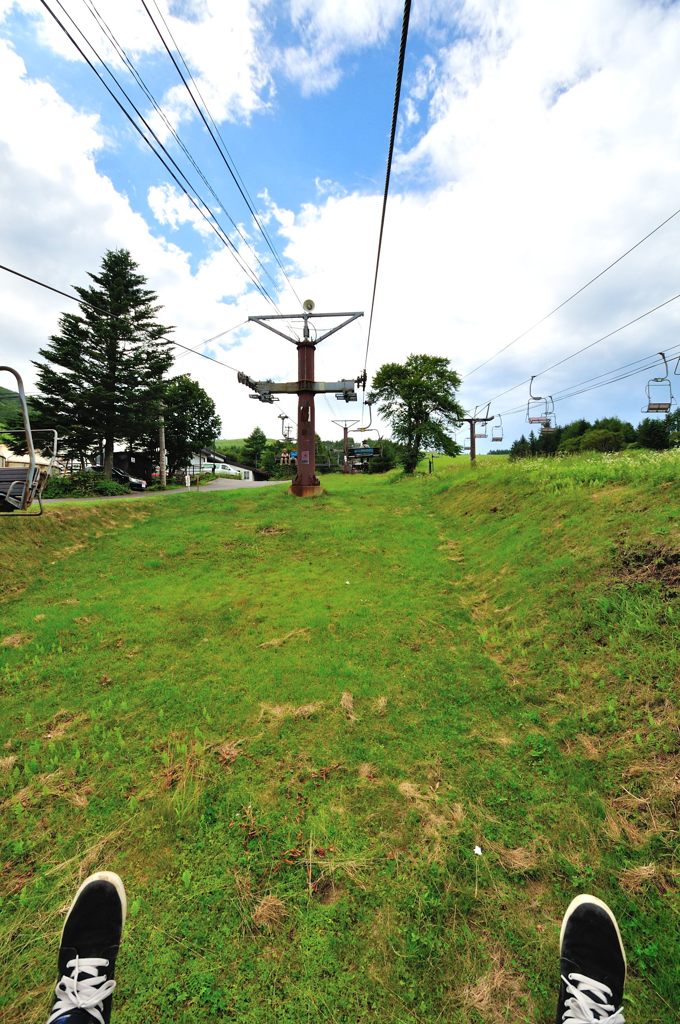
306,483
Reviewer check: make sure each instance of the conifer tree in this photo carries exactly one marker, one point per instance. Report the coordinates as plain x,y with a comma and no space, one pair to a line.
101,381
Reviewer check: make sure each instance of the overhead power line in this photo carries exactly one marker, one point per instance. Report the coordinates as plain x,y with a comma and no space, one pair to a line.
591,344
99,309
106,29
393,132
573,390
209,216
574,294
226,159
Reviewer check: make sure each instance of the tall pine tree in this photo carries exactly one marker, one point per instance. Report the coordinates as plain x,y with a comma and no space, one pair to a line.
102,378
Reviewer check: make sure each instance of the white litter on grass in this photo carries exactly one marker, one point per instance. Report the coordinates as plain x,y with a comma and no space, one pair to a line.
346,583
478,851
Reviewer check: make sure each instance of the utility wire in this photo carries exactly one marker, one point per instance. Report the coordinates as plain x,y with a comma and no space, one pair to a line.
231,163
581,387
226,161
393,132
99,309
106,29
597,341
210,218
574,294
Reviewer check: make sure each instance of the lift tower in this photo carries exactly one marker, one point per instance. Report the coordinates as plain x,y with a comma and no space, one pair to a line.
306,483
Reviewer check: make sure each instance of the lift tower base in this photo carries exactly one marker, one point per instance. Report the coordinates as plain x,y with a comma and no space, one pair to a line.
306,490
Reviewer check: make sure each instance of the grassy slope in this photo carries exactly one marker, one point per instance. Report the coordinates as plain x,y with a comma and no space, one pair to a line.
510,663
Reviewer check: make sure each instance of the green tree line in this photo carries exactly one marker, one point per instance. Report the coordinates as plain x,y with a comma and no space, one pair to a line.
609,434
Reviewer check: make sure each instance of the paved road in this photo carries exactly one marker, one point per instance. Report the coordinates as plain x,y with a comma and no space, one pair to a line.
213,485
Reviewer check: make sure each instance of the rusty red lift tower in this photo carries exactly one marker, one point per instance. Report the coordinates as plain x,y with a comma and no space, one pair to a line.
306,483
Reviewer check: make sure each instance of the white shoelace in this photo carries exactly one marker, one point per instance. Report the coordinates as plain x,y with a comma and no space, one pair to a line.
86,989
588,1002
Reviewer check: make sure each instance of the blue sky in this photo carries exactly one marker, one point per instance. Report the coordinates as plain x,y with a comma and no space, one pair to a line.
537,142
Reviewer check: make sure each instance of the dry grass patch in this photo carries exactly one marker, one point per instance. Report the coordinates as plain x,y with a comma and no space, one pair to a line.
7,763
367,771
15,640
521,858
278,712
228,751
270,913
347,705
635,879
279,641
61,723
590,746
380,706
498,995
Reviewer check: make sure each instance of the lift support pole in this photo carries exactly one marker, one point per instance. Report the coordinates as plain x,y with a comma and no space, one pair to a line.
306,483
473,421
345,424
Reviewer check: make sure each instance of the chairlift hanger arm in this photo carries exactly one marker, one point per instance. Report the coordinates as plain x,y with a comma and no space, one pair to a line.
534,398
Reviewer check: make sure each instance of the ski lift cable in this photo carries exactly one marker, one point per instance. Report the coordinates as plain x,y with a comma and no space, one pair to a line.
567,391
575,294
209,217
108,32
227,162
393,132
578,389
582,387
85,302
590,345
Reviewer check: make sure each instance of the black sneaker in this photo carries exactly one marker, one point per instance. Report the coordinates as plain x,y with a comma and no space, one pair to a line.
592,965
88,950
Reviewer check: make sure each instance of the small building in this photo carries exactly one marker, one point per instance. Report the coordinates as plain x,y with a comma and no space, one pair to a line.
209,461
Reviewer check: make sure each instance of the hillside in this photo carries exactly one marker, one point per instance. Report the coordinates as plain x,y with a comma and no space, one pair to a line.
288,725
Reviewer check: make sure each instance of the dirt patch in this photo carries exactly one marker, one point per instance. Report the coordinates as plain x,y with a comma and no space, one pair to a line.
228,751
15,640
650,563
61,723
272,531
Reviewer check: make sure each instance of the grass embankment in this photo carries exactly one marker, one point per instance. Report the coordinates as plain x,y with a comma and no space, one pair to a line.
288,724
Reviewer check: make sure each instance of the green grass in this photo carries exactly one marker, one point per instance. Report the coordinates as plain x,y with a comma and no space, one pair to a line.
173,710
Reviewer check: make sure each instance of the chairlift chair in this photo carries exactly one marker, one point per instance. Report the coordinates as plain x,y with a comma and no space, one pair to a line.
497,429
551,426
537,408
482,429
659,392
20,486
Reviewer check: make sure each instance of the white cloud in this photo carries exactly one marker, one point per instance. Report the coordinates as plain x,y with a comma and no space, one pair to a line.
553,144
330,28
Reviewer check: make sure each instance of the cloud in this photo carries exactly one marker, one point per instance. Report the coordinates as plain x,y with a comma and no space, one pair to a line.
329,29
552,144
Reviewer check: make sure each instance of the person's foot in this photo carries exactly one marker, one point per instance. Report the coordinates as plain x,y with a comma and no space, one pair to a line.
592,965
88,950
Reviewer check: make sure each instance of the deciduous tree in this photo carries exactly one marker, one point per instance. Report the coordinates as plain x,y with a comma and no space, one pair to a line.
418,399
191,421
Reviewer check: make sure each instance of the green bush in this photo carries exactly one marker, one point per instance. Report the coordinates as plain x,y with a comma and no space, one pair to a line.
82,485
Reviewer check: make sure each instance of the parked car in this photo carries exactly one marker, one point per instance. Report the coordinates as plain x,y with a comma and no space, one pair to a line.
135,483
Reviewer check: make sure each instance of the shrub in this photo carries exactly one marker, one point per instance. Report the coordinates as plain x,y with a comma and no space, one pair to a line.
82,485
